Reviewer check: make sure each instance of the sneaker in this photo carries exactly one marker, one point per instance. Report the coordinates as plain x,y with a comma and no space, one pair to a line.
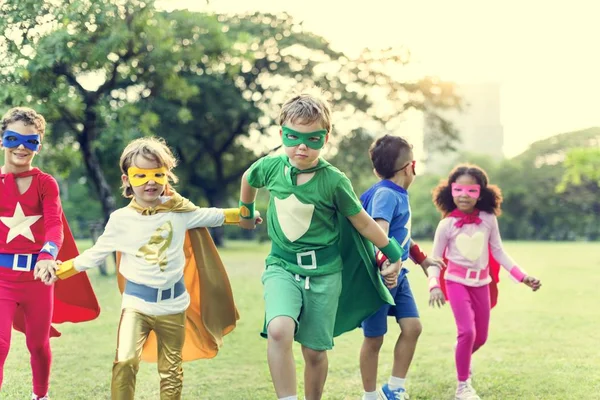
388,394
466,392
35,397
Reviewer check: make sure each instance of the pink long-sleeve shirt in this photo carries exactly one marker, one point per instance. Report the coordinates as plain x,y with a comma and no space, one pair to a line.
466,249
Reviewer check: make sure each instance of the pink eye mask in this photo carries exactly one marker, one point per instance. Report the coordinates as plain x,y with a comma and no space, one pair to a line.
472,191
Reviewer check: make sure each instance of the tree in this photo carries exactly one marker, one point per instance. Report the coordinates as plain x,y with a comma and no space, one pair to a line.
230,121
86,64
107,71
581,165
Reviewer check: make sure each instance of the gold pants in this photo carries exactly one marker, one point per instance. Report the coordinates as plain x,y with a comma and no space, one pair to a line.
134,329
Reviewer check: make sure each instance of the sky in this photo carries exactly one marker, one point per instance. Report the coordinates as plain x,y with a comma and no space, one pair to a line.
545,56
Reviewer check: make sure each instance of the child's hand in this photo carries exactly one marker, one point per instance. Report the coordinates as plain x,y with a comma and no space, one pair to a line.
45,271
432,262
436,297
251,223
257,218
390,272
533,283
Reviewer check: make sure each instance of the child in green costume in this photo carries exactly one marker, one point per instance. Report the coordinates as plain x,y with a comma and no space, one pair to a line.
320,278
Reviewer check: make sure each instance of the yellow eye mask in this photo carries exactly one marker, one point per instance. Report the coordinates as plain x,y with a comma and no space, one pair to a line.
141,176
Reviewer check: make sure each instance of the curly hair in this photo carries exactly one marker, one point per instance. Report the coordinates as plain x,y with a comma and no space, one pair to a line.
388,153
29,117
489,200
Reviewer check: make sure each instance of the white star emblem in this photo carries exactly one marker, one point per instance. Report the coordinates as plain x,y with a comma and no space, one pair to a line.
19,224
48,247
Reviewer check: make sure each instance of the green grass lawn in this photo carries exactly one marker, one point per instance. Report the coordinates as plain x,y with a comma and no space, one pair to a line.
542,345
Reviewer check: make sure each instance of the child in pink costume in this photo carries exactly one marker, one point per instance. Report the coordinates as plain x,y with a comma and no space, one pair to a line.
466,236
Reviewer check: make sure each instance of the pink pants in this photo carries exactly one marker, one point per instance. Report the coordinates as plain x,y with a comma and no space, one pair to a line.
36,299
471,308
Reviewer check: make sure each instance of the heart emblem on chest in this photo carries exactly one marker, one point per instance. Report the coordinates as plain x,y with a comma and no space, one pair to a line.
471,247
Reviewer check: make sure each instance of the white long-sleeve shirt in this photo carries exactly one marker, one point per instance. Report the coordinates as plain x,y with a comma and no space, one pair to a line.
151,248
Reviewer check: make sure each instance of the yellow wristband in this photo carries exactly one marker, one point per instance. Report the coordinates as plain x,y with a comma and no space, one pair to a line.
232,216
66,270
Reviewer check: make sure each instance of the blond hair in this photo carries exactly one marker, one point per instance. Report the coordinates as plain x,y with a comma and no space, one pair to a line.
153,149
305,109
29,117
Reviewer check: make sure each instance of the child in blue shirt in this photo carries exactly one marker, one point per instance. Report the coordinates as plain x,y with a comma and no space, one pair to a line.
387,203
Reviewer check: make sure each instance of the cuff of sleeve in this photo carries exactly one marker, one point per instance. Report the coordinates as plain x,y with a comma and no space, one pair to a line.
45,256
517,274
49,249
232,216
66,270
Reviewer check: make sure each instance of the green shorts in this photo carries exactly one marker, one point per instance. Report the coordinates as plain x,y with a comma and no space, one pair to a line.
313,309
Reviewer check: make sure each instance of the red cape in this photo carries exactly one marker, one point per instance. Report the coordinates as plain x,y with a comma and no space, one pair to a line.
494,267
74,298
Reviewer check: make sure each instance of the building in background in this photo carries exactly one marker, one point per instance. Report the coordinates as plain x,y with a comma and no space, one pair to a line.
479,126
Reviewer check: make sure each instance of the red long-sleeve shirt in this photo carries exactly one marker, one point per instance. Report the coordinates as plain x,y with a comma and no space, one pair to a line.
28,220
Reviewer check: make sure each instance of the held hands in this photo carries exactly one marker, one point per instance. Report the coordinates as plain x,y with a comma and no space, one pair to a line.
389,272
251,223
432,262
436,297
45,270
533,283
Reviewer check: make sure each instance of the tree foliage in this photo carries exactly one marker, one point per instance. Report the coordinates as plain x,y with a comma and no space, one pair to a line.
104,72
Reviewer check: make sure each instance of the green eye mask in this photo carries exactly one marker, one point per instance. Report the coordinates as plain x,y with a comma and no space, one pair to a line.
315,140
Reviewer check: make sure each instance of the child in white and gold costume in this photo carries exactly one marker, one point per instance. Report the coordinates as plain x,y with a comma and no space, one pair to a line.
170,273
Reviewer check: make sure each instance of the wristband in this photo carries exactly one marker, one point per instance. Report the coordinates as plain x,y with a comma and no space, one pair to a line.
380,258
232,216
392,250
66,270
246,210
416,254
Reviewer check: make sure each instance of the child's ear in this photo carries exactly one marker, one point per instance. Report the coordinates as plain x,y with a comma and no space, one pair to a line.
327,138
125,180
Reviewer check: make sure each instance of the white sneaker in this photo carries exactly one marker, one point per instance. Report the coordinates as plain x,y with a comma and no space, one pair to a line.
465,391
35,397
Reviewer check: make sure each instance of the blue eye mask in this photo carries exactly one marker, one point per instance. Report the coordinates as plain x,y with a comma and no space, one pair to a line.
12,139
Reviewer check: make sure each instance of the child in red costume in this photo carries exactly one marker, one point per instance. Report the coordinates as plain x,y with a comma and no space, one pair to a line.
32,232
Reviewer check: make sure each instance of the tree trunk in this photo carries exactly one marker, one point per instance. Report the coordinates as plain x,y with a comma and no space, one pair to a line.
94,171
